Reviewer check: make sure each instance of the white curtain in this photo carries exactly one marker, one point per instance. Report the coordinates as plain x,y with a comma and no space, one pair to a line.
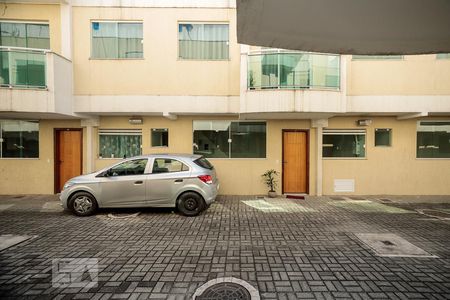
203,41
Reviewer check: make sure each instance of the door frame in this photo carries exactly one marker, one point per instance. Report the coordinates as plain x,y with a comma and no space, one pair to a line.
56,153
306,131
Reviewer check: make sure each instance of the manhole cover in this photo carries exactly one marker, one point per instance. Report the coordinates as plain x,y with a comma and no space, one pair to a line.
388,244
226,289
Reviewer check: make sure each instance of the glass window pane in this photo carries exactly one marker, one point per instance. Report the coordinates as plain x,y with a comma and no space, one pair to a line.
211,138
203,41
164,165
160,137
27,69
4,67
433,139
119,146
383,137
13,34
443,56
248,140
19,139
377,57
104,40
344,145
269,70
130,40
133,167
294,70
38,36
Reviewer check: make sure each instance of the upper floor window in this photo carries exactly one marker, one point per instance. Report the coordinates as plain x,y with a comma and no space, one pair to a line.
117,40
26,35
19,139
443,56
203,41
433,139
377,57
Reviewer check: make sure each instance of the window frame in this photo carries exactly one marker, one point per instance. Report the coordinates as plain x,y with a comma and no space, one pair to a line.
21,158
375,139
416,139
229,144
203,23
27,22
117,22
159,130
348,131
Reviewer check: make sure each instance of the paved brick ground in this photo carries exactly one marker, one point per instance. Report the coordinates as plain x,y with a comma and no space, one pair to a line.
287,249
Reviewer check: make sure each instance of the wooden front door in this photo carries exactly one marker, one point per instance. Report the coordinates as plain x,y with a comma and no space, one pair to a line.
68,151
295,161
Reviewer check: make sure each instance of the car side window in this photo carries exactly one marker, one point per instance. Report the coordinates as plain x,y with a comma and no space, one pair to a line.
165,165
131,167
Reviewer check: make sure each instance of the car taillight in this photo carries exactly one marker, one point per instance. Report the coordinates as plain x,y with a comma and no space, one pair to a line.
206,179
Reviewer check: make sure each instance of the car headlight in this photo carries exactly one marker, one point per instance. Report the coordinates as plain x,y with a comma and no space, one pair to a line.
68,185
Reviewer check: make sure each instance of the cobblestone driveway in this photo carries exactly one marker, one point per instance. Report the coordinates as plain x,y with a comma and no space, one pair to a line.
287,249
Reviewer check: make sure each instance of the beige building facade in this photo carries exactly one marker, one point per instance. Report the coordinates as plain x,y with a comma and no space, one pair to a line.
86,83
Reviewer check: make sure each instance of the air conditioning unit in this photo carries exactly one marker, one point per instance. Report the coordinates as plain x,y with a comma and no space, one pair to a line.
365,122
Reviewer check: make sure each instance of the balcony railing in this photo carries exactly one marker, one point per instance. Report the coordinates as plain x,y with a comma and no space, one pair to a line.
293,70
22,67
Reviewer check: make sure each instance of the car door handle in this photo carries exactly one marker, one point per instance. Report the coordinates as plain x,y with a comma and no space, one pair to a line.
138,182
179,180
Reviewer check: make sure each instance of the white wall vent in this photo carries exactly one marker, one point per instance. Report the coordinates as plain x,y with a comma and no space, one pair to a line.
344,185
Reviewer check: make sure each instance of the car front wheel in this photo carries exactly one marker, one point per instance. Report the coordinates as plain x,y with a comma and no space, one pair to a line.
190,204
83,204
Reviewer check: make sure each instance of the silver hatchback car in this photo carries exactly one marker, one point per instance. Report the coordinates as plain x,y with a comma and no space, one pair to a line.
185,181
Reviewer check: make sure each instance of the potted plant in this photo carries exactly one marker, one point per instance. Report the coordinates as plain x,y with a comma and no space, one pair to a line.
270,180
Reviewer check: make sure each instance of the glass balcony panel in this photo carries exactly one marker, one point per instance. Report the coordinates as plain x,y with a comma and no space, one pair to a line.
4,68
27,69
293,71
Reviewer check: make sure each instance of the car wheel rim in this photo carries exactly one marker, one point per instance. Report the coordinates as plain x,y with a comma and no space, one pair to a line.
190,204
82,204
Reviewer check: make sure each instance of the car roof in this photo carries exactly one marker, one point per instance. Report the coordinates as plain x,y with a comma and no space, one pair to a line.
169,155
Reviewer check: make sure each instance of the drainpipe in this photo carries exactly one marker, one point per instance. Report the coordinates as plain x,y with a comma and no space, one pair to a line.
319,124
90,152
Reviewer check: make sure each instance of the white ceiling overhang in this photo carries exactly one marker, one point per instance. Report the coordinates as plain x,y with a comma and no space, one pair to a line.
346,26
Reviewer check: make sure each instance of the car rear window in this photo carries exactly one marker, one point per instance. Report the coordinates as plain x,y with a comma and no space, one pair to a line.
204,163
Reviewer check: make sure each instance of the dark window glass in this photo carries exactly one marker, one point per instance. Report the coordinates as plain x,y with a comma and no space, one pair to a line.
248,140
160,137
19,139
344,144
433,139
164,165
132,167
383,136
204,163
211,138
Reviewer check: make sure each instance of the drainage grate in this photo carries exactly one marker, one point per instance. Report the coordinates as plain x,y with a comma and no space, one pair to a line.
357,198
388,244
228,288
435,213
295,197
225,291
337,198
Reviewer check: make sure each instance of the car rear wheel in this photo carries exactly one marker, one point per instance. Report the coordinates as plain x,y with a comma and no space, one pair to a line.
190,204
83,204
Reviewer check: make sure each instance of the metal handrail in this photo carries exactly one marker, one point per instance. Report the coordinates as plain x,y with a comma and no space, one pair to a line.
24,49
